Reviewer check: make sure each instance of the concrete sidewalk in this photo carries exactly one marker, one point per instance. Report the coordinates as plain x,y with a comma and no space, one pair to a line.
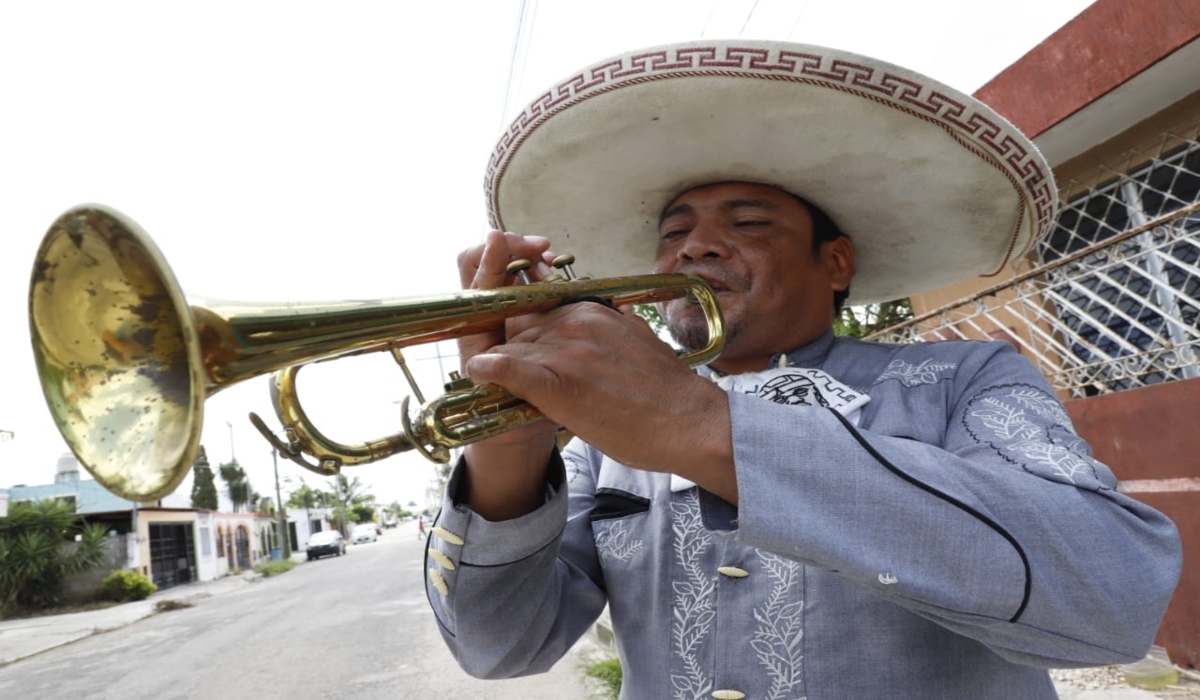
25,637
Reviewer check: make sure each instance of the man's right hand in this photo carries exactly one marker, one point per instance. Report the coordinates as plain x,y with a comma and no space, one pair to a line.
506,475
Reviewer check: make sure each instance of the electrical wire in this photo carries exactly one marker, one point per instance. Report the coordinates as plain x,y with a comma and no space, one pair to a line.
516,66
748,16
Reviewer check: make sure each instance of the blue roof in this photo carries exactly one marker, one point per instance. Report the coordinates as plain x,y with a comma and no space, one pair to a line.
90,496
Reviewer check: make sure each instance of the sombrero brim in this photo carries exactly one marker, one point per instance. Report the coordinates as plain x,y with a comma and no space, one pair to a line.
932,186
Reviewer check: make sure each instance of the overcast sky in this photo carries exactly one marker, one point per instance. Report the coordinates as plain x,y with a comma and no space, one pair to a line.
325,151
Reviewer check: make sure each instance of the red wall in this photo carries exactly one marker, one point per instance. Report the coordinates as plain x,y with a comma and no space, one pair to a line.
1105,45
1150,434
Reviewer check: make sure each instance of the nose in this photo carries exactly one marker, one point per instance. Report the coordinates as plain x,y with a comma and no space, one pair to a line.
705,240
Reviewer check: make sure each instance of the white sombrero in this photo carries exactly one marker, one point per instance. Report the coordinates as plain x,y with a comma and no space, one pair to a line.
931,185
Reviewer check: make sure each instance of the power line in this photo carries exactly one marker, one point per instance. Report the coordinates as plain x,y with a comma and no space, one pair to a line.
748,15
798,17
711,9
516,64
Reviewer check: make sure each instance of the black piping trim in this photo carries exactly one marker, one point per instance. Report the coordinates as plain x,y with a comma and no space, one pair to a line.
556,540
953,501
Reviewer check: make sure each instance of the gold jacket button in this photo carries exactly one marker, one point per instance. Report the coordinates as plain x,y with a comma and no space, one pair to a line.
728,694
732,572
446,535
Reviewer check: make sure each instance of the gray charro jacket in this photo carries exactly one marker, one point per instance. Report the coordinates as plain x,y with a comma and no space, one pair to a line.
953,544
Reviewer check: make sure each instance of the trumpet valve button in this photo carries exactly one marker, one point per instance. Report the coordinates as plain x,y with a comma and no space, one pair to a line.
520,268
458,382
564,263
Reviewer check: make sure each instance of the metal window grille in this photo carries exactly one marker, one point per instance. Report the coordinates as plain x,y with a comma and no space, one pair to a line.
1112,299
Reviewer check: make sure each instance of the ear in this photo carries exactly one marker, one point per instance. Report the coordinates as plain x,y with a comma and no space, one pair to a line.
838,258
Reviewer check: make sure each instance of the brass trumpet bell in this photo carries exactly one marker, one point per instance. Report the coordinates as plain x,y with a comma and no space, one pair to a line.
117,353
126,362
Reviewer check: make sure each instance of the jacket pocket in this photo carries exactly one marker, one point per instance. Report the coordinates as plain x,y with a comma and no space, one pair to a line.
614,503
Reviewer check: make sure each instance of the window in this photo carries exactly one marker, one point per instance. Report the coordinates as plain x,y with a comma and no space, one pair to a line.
1131,309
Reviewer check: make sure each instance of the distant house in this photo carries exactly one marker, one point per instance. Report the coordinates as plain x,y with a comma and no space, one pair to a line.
169,541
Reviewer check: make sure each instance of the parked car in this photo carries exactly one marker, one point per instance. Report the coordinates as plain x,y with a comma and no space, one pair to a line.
365,532
325,543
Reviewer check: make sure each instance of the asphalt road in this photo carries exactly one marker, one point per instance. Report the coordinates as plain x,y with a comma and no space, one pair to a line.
356,626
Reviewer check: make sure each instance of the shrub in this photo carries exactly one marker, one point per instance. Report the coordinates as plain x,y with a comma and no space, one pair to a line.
126,586
275,567
41,544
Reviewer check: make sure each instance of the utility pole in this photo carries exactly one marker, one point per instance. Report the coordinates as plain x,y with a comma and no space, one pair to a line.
285,548
232,456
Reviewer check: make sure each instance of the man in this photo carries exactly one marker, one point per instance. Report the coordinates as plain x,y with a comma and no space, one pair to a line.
807,517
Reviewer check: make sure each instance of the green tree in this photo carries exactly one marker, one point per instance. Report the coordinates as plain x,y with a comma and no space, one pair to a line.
653,317
348,493
264,505
862,321
204,487
41,544
307,497
362,513
235,480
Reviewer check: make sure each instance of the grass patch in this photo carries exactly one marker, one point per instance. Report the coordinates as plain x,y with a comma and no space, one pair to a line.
602,676
275,568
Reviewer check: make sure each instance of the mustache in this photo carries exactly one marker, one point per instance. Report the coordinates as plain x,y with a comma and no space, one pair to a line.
718,277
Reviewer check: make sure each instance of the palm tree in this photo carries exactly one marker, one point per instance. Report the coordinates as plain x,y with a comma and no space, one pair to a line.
306,497
239,486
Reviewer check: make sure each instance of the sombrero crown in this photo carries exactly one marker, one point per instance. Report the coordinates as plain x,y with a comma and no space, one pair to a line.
931,185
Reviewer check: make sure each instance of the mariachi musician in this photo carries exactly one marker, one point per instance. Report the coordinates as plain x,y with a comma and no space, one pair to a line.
806,516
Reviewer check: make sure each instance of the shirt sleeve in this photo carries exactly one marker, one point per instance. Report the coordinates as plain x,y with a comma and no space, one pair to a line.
512,597
1008,532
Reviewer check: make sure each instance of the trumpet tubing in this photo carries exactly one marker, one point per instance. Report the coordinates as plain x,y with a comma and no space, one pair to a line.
126,361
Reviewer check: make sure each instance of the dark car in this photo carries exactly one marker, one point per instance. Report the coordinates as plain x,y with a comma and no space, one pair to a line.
326,543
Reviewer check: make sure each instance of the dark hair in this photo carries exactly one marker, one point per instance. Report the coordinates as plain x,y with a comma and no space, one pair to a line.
823,231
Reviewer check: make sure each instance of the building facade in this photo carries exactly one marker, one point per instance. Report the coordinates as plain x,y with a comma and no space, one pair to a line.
1108,306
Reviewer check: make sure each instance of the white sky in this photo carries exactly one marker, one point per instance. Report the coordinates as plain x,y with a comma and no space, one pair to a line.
327,151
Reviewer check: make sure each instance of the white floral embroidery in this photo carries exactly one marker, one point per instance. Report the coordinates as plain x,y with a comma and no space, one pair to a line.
910,375
1045,406
780,628
1029,427
613,543
693,599
572,468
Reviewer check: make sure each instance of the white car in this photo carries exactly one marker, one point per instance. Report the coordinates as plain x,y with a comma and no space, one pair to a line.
364,532
325,543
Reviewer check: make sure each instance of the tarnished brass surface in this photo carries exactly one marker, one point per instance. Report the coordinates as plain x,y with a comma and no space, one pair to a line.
126,362
117,353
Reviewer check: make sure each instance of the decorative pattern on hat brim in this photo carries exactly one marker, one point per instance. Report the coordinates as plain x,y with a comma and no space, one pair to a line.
931,185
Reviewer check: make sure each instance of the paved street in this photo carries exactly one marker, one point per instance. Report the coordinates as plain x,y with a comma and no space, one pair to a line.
349,627
355,627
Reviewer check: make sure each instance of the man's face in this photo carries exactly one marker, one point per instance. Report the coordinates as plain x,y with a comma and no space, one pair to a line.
753,244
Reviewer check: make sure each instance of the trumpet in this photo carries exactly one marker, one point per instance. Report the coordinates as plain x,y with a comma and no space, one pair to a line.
126,361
